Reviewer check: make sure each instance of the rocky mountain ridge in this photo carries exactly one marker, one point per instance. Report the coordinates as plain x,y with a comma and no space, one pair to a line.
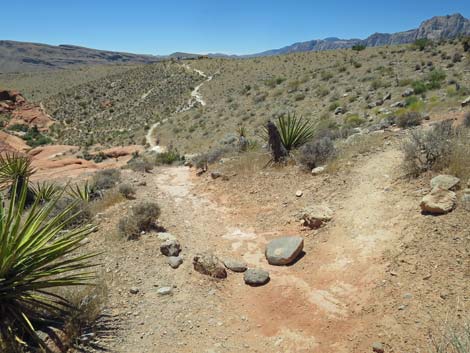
436,28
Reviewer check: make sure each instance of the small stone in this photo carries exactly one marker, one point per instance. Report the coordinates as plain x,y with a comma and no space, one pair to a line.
299,193
165,236
209,264
175,261
318,170
170,248
216,175
284,250
256,277
402,307
235,265
134,290
164,290
200,171
378,347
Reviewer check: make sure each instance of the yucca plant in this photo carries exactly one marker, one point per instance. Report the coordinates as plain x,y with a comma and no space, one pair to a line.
16,169
37,256
82,193
294,131
45,192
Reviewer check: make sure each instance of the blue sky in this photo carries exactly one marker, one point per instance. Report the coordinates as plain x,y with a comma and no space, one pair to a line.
233,27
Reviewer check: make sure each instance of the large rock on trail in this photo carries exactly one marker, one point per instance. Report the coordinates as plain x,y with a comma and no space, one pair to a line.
447,182
315,216
209,264
438,201
284,250
256,277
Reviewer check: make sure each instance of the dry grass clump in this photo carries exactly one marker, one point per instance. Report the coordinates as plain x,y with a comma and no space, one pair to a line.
451,337
409,119
142,218
109,198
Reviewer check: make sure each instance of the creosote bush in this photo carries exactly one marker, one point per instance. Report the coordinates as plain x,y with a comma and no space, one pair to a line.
425,150
106,179
142,218
317,152
409,119
127,190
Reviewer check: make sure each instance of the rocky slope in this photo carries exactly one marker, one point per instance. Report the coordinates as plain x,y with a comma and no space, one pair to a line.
21,57
436,28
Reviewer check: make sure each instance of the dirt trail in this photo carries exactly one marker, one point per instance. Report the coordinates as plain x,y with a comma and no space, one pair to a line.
319,304
196,98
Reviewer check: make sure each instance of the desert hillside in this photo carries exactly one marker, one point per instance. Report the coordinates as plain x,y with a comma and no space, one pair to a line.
312,202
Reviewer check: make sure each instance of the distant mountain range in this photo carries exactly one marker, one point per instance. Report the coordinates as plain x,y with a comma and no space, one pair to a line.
436,28
20,56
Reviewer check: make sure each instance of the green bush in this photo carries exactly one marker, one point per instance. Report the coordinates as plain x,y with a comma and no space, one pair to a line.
422,44
354,120
169,157
419,87
358,47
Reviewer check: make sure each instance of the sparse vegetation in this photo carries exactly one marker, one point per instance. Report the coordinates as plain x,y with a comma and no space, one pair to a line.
315,153
142,218
106,179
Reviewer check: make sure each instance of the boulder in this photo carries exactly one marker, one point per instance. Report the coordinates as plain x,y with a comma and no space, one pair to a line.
340,110
316,216
443,181
209,264
170,247
256,277
284,250
387,97
466,102
438,201
235,265
408,92
397,105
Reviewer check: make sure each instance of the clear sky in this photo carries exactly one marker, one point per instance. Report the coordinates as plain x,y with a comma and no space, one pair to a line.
233,27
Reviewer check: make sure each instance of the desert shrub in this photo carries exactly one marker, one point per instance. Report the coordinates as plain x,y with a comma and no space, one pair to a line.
419,87
358,47
466,44
139,164
435,78
428,149
260,97
457,58
212,156
354,120
80,208
451,337
409,119
317,152
421,44
106,179
142,218
168,157
127,190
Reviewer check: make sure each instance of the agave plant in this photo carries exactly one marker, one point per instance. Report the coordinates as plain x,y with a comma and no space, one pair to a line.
15,170
294,131
37,256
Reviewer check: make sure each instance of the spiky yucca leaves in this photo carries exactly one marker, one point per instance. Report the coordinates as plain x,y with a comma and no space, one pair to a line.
37,255
295,131
82,193
45,192
14,168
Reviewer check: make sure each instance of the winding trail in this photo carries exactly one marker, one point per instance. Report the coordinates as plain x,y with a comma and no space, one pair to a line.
195,99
